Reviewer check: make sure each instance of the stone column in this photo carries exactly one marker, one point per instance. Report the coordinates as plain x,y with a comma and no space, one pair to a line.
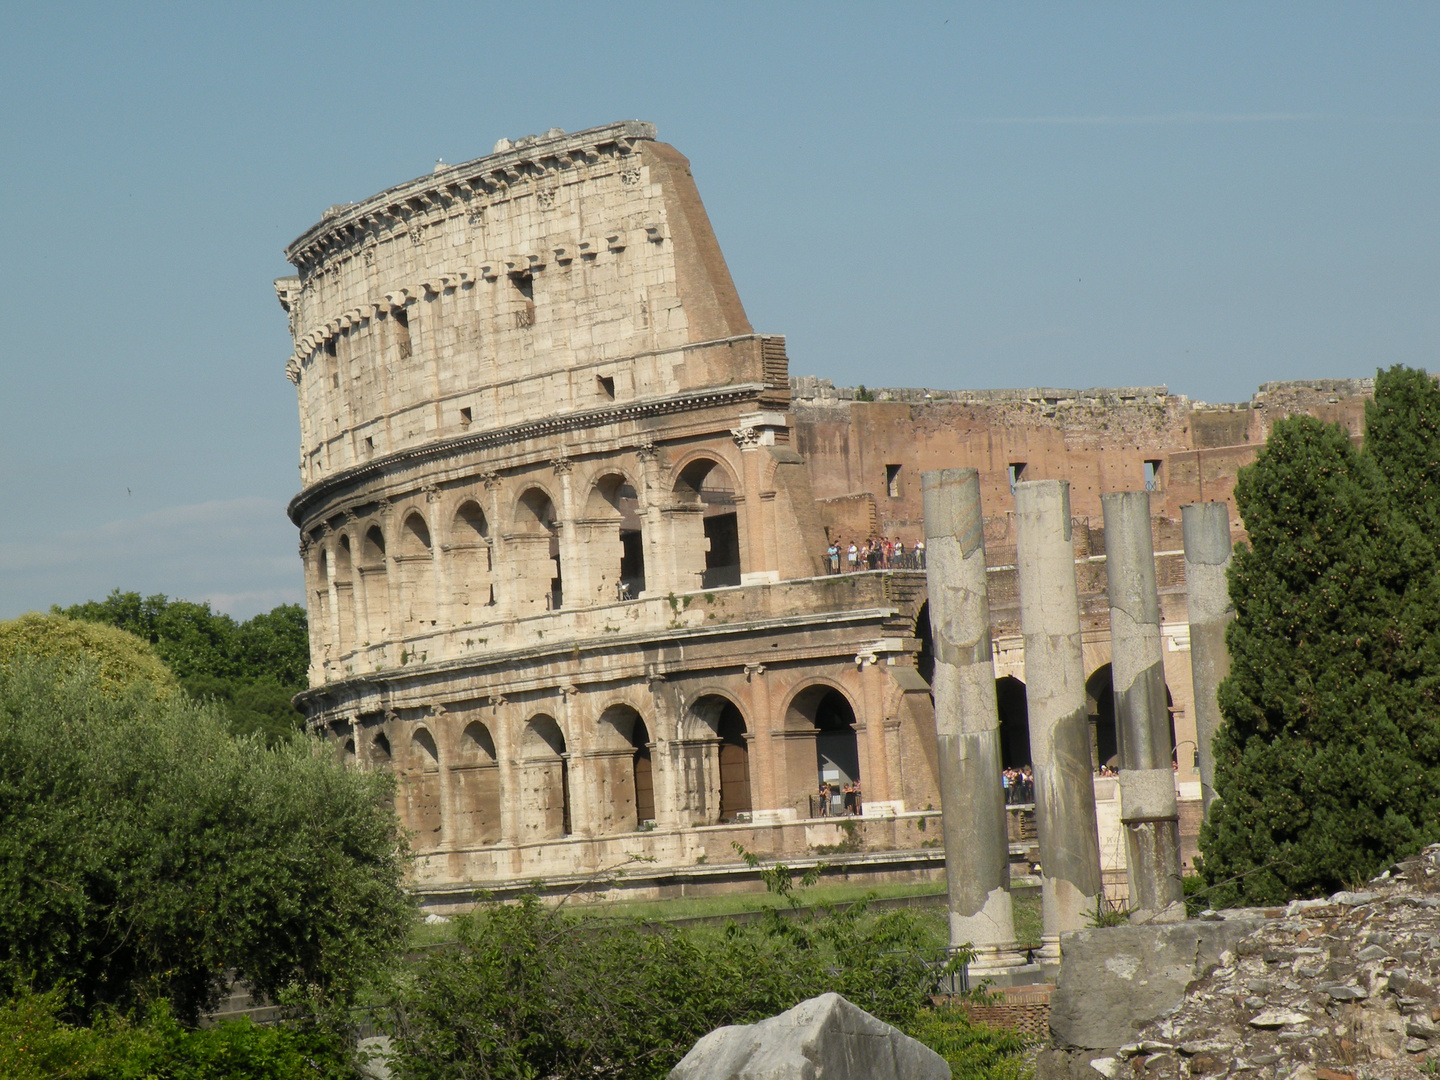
1055,695
967,722
1148,810
1207,592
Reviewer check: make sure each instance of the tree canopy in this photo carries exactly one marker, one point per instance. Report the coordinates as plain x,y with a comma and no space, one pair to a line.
1328,764
117,657
145,851
251,668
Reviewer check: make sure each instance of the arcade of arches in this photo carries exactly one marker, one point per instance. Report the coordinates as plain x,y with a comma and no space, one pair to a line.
486,782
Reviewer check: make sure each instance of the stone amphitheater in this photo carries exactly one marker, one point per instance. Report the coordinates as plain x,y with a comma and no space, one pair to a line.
564,515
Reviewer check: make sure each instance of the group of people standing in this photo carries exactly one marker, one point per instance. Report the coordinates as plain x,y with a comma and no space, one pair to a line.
1019,785
876,553
850,798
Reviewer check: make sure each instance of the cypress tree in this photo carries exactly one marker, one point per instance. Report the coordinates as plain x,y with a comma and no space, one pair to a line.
1325,764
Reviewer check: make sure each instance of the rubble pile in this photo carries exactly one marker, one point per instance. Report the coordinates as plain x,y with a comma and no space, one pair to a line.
1345,988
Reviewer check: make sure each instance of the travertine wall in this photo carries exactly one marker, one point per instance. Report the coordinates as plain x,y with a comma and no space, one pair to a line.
564,528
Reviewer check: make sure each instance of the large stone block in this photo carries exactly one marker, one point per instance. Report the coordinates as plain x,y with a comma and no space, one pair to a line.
825,1038
1113,979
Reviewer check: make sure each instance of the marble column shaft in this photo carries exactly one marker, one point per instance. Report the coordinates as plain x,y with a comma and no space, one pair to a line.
977,850
1059,720
1148,810
1207,589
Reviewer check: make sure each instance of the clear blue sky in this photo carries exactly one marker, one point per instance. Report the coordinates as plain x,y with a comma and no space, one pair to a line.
1208,196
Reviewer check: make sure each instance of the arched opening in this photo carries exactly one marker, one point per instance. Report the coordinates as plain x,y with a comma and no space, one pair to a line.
347,752
320,613
380,749
706,483
536,546
544,780
375,580
1014,720
472,581
714,761
344,595
415,568
627,780
476,775
835,762
422,791
1100,704
734,763
613,540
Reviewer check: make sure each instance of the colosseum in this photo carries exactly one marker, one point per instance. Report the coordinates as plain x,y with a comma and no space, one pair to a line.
565,518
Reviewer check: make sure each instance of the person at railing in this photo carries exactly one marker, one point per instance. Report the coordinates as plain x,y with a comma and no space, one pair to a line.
853,556
832,557
824,799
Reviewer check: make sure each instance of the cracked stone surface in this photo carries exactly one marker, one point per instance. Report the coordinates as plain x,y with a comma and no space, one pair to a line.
1346,988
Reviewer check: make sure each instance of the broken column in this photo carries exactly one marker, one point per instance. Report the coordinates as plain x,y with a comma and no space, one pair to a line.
977,849
1148,810
1059,724
1207,591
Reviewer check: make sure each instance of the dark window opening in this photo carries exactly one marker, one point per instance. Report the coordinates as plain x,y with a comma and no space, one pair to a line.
632,563
837,753
644,775
722,561
607,385
330,346
1017,473
369,443
1152,476
525,286
465,416
1014,718
402,332
892,480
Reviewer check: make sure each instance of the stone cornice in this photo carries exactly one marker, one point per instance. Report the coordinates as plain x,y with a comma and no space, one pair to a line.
332,486
531,657
532,156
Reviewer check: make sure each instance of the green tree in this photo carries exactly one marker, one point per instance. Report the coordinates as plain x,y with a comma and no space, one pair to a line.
145,852
252,668
1326,764
117,658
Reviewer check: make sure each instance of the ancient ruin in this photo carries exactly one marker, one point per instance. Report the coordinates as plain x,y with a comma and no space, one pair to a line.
565,520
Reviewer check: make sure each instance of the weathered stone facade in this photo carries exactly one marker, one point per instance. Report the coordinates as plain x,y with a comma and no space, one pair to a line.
564,513
561,557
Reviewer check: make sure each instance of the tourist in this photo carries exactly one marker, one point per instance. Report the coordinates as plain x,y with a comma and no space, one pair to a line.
900,553
853,556
919,554
824,799
855,798
849,799
832,555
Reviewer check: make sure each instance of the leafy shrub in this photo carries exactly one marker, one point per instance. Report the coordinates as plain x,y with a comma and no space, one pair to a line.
531,991
145,853
36,1044
118,659
973,1051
